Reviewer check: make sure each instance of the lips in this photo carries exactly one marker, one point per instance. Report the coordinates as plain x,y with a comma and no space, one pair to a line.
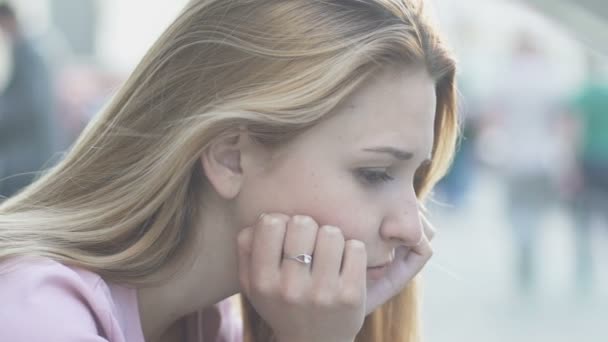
377,272
380,264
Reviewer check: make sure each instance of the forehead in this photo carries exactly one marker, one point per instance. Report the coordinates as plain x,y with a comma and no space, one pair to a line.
396,106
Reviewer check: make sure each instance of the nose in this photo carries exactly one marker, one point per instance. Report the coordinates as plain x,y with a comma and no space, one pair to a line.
402,225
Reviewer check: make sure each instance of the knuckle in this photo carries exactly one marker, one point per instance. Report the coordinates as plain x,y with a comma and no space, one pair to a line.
271,220
281,218
291,295
263,287
303,221
350,297
356,246
322,299
331,231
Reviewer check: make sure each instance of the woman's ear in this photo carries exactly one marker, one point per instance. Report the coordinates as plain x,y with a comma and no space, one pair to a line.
221,163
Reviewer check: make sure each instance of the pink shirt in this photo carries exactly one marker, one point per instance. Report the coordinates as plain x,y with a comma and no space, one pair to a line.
43,300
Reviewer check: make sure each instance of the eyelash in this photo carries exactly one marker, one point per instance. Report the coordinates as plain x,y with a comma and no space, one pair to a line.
374,176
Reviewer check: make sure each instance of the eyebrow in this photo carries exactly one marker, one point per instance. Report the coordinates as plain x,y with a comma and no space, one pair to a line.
396,153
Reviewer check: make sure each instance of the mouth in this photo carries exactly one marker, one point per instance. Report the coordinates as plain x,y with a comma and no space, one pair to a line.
378,270
380,264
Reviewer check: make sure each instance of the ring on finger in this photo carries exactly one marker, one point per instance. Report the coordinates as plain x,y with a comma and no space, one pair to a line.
303,258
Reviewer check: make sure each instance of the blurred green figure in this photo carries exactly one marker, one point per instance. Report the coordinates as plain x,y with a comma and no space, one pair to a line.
590,108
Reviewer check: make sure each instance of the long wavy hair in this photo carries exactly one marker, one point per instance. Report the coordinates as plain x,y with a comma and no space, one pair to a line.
122,201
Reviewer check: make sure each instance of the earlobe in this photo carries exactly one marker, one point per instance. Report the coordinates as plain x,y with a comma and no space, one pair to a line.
221,163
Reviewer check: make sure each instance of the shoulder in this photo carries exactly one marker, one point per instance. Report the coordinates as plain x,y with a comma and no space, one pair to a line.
46,300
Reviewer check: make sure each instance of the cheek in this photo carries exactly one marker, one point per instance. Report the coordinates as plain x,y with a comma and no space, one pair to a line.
330,197
339,203
353,224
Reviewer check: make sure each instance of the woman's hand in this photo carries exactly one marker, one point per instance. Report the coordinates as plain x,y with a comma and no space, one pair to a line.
321,301
407,263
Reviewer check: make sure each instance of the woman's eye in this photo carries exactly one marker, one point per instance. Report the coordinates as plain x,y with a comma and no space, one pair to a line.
372,176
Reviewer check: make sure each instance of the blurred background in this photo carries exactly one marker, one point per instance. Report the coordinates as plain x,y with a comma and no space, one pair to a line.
522,217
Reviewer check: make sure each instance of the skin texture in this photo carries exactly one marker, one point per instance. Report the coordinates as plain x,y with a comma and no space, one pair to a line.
339,191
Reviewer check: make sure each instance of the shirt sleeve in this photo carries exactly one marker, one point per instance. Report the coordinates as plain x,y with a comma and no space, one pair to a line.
219,323
230,327
46,302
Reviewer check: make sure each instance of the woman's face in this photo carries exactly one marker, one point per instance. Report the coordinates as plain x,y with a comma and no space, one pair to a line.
356,169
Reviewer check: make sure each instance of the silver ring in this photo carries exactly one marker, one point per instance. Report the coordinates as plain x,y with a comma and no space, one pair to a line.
305,259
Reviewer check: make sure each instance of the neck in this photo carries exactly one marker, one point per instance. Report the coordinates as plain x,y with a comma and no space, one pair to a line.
211,278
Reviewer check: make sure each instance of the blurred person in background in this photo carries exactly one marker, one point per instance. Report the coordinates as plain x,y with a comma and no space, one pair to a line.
6,60
82,89
26,110
6,67
453,189
524,110
590,182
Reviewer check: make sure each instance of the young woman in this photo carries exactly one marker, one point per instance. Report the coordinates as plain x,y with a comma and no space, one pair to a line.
280,149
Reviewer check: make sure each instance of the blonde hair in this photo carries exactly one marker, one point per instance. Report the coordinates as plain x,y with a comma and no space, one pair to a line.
122,201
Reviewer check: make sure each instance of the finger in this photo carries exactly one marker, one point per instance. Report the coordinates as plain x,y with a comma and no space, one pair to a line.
244,241
354,264
300,238
268,237
401,271
408,263
328,255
